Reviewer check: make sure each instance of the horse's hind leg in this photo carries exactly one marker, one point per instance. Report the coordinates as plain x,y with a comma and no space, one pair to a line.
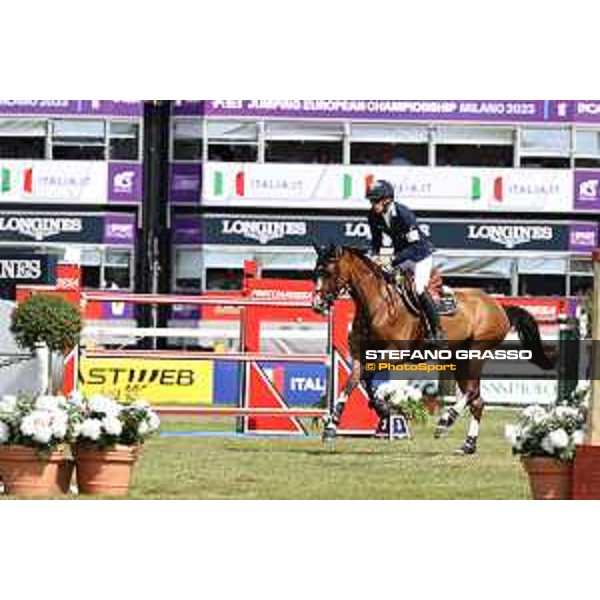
333,421
452,414
472,388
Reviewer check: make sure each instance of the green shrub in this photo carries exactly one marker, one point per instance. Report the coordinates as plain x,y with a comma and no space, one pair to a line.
48,319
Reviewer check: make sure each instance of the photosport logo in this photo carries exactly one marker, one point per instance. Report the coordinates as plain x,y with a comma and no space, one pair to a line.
508,360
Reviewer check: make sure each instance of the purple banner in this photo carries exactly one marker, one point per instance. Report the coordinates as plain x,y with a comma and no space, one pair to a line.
125,182
119,230
411,110
583,237
187,230
494,111
186,183
587,190
118,108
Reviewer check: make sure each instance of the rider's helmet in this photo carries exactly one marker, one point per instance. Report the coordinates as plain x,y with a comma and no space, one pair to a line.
380,190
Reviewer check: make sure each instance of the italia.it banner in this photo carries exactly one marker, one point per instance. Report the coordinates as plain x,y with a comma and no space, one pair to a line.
526,190
68,182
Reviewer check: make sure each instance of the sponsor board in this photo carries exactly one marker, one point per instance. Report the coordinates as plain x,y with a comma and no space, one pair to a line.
167,382
421,188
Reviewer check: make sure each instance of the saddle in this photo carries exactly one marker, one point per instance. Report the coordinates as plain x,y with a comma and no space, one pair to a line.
443,297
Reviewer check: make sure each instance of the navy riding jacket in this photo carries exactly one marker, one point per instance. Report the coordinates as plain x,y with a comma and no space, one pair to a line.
410,243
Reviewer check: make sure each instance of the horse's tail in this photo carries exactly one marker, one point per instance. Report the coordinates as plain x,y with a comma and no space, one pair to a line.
529,333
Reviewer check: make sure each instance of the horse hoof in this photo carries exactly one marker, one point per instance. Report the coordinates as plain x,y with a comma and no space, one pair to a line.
469,448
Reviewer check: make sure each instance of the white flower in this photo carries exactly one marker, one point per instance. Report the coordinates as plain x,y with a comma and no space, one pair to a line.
153,421
59,427
511,433
91,429
76,398
547,445
36,421
42,434
49,403
104,406
535,413
578,438
560,439
112,426
140,404
566,412
8,404
4,433
143,428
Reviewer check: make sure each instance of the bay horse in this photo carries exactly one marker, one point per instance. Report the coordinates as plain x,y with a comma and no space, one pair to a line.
382,315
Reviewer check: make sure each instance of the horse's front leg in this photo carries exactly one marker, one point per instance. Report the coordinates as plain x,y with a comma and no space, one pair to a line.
334,419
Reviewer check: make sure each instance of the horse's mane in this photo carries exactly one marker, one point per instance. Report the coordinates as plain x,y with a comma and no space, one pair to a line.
375,269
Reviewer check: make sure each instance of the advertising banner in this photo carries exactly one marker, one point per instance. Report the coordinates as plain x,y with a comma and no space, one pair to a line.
587,190
478,235
101,108
27,269
476,111
186,382
29,227
421,188
69,183
185,183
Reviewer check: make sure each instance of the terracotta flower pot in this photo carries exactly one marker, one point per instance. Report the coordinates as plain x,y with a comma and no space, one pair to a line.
28,473
104,472
550,479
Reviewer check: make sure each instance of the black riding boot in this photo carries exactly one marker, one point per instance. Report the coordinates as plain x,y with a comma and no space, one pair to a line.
436,333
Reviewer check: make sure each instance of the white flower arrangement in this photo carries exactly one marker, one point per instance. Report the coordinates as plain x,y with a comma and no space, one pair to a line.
404,399
48,422
105,422
552,432
44,423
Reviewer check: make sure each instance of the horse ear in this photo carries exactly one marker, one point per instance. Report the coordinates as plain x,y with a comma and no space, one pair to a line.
320,250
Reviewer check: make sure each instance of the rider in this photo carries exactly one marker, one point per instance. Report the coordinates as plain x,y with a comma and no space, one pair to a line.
410,246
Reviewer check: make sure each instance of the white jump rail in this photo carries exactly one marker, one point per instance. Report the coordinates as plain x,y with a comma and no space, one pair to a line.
250,357
153,299
240,412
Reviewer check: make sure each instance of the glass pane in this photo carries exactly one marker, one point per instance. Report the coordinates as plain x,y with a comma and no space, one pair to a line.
232,153
22,127
367,132
78,129
304,131
124,130
118,258
22,147
188,264
188,130
232,131
547,141
588,143
90,257
390,154
491,136
117,278
78,152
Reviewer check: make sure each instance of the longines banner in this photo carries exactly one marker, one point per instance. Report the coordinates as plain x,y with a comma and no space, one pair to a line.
70,183
27,269
450,235
421,188
114,230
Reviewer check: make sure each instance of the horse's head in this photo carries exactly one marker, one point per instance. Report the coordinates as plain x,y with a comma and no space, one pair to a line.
329,279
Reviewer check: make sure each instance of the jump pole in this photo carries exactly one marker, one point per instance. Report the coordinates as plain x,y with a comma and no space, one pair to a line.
586,485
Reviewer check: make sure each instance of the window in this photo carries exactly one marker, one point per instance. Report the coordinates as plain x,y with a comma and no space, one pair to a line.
23,139
224,279
188,271
78,140
232,141
547,148
490,285
187,140
474,147
124,141
304,143
587,148
117,269
374,144
542,285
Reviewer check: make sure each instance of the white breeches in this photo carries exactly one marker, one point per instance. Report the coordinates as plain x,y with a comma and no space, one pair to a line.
423,274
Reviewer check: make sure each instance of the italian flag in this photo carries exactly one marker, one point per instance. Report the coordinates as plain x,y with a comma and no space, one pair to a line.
219,184
7,183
